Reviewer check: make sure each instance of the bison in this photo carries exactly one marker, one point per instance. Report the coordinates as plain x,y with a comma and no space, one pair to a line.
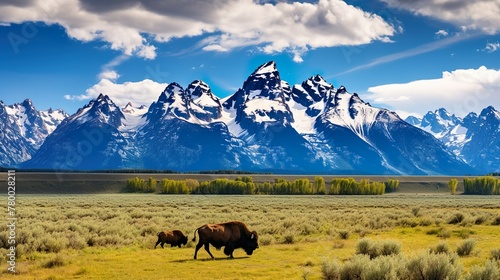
230,235
172,237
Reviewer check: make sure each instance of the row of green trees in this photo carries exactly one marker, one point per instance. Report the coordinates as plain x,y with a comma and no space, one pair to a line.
349,186
482,185
140,185
487,185
246,185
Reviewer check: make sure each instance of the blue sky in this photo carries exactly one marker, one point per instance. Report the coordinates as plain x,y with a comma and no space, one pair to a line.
408,56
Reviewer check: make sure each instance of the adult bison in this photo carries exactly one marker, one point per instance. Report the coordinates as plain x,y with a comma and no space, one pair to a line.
172,237
230,235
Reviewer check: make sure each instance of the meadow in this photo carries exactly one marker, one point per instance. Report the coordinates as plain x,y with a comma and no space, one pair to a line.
111,236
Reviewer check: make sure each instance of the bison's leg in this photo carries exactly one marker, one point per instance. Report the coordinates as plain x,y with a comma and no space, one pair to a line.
207,248
158,242
198,246
228,250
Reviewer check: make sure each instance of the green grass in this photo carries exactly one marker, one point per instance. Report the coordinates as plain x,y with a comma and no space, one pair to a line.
112,236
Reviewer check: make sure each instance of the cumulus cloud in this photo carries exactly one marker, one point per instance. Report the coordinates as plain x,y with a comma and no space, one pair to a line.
460,91
135,26
479,15
492,47
142,92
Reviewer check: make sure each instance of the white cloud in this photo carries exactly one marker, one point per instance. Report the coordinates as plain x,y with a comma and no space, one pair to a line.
441,33
142,92
109,75
107,70
468,15
460,92
297,57
133,26
492,47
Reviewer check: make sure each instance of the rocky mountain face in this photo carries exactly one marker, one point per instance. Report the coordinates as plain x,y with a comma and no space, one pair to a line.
266,125
475,139
91,139
23,129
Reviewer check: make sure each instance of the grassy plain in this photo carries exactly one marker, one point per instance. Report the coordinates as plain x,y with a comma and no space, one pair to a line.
111,236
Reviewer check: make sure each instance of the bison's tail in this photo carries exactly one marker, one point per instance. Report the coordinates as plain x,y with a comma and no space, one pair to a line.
194,235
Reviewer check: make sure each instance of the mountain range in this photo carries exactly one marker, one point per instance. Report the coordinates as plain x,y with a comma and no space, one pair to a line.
23,129
475,139
265,126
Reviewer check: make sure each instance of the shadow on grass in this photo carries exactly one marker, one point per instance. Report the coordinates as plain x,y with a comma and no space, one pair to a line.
209,259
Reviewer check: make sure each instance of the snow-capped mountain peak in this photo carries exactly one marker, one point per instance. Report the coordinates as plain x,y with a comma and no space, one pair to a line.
197,88
53,118
266,68
206,106
341,90
348,110
23,129
490,113
174,88
439,122
102,109
311,90
27,103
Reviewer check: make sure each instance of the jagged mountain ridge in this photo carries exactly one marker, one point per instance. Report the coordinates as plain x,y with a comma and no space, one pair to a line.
475,139
91,139
265,126
23,129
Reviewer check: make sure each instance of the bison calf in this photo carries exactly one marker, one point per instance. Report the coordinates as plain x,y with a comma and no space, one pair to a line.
172,237
230,235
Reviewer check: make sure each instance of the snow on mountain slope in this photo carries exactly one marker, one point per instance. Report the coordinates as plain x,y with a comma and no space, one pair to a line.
439,123
134,118
444,126
308,100
53,118
206,106
23,129
90,139
102,109
481,147
349,111
474,138
259,104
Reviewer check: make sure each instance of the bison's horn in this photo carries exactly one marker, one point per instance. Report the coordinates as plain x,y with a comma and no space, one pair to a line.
252,236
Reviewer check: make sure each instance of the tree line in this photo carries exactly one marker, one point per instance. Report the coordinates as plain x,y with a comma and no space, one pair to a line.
487,185
246,185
